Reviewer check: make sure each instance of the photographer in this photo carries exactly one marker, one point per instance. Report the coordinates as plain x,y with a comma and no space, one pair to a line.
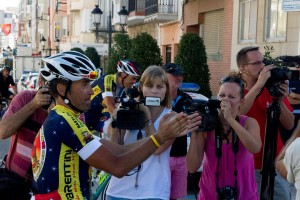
21,122
226,151
150,180
257,100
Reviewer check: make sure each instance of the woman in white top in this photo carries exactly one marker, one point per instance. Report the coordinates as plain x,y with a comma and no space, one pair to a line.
150,180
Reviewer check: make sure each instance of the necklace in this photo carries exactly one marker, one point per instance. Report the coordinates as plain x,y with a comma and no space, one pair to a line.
224,136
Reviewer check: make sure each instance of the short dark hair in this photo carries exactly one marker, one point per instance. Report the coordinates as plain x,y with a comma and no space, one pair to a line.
241,56
53,86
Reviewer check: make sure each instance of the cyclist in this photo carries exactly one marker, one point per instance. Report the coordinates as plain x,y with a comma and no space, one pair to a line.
106,89
64,148
5,81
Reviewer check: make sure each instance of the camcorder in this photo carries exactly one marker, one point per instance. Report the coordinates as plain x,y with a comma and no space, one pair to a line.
208,110
129,116
278,75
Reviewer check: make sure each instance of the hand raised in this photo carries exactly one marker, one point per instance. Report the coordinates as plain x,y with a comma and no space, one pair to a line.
172,126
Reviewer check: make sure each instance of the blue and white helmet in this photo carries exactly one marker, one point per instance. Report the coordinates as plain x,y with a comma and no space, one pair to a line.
69,65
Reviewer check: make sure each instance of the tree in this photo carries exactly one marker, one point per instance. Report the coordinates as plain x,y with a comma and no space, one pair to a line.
78,50
145,51
192,57
93,55
120,50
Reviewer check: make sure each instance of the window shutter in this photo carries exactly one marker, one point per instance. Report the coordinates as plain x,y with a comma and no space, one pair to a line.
213,31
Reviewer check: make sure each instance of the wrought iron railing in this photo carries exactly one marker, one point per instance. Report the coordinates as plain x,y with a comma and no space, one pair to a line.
160,6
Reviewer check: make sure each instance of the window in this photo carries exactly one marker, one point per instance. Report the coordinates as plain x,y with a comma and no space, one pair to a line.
247,20
213,33
168,54
275,20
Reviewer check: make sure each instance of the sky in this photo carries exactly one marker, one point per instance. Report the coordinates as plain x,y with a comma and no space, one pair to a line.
8,3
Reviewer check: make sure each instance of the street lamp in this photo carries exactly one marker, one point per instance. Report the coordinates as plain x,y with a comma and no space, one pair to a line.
96,13
43,42
123,13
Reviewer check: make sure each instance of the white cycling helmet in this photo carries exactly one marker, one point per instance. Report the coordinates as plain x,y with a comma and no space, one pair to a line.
129,67
69,65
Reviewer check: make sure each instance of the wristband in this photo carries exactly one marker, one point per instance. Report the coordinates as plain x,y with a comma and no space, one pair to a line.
154,141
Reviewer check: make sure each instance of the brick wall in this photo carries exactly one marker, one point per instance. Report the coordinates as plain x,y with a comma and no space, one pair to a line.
220,68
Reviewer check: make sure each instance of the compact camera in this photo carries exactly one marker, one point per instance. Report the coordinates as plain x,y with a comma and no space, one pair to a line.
227,193
208,110
129,116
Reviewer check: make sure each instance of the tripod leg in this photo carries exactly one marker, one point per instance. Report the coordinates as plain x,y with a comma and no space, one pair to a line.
269,154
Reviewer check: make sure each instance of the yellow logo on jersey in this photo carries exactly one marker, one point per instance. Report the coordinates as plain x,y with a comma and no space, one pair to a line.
96,91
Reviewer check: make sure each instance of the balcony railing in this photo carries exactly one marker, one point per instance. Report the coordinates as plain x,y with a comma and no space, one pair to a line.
160,6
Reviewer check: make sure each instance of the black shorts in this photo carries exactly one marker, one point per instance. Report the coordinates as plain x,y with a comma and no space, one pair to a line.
6,94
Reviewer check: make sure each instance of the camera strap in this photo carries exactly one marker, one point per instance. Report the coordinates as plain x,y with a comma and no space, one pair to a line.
235,149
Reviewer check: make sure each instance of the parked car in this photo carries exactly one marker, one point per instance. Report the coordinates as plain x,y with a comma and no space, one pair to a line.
29,77
21,81
33,83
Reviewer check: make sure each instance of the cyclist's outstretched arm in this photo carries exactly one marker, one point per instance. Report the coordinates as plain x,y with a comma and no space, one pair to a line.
119,160
110,104
11,122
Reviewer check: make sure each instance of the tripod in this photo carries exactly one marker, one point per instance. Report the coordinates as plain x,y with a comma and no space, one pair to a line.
268,169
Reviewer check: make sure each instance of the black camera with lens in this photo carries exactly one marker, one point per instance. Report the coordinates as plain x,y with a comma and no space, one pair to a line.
208,110
278,76
129,116
227,193
46,92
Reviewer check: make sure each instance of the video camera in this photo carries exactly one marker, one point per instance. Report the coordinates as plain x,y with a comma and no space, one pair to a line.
208,110
278,76
129,116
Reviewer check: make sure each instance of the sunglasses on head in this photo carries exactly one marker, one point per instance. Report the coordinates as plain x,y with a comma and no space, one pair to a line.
230,79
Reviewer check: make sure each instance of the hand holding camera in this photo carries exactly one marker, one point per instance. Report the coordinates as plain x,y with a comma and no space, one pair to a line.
226,109
42,98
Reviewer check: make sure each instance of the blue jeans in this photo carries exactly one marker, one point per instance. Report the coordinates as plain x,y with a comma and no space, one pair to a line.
282,188
116,198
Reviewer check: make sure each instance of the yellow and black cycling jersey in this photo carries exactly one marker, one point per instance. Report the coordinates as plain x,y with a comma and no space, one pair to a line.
103,87
60,148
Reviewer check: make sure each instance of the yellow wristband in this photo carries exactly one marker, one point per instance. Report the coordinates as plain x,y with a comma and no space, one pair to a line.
154,141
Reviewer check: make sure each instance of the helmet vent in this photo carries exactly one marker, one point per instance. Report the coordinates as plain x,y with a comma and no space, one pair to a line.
73,61
68,68
52,68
